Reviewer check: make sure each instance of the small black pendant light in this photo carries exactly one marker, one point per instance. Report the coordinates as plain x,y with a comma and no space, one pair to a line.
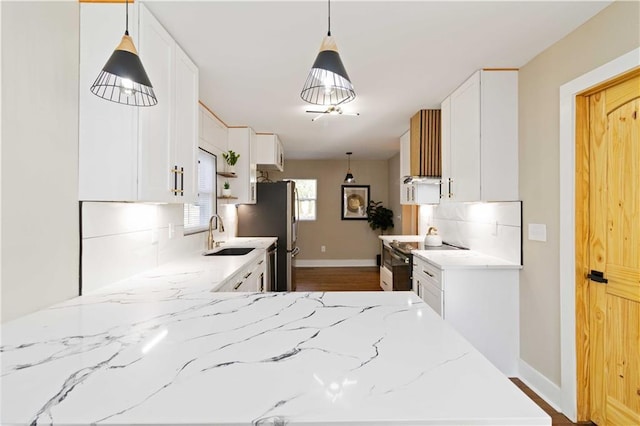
328,82
123,78
349,177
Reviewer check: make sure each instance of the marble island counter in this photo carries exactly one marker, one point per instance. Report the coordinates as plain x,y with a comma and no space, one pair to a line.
162,348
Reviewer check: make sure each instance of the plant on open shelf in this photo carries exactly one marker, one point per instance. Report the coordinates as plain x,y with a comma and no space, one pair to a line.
379,217
231,158
226,189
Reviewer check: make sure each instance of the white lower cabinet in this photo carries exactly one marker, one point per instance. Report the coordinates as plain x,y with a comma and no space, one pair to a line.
386,279
251,278
481,304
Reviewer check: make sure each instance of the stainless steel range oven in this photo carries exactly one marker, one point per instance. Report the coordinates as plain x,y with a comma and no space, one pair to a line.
397,261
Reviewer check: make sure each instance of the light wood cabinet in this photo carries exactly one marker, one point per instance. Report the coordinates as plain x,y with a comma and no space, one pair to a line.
242,140
480,138
128,153
425,143
420,156
270,154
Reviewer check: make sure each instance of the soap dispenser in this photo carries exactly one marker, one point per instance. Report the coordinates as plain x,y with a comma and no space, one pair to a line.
432,239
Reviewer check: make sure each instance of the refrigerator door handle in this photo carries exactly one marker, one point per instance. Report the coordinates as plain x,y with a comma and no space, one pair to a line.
295,252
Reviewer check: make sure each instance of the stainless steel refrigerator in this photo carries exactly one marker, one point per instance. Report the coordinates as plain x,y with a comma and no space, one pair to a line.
274,215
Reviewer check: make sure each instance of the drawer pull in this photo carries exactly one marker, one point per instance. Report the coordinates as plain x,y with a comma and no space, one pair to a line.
428,273
261,262
237,286
248,275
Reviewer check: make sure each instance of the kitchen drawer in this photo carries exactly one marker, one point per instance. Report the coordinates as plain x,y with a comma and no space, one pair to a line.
246,279
431,296
386,279
430,272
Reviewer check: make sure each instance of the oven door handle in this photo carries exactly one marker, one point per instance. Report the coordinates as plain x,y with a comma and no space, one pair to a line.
397,257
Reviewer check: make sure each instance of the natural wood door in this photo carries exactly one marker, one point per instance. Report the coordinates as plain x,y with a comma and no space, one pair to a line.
614,250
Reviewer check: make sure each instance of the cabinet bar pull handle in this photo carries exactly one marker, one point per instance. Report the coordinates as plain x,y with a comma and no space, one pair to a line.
182,181
450,193
428,273
261,262
175,179
248,275
237,286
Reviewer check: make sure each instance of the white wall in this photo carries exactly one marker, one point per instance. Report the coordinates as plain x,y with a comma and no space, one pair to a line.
40,245
610,34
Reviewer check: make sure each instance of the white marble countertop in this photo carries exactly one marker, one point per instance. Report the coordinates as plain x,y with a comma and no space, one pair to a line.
402,238
463,259
162,348
453,259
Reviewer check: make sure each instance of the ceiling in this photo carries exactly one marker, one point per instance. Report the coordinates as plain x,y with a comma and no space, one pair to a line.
401,56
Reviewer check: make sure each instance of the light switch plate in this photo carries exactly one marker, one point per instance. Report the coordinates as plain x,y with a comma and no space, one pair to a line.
537,232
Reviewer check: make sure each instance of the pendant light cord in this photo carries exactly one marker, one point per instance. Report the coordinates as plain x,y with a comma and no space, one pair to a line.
329,19
126,30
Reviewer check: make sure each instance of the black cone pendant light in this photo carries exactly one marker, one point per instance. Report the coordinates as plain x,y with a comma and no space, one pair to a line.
123,78
349,177
328,82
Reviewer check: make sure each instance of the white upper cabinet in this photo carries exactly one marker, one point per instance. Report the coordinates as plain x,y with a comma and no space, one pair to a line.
136,153
405,155
214,136
270,152
480,138
213,132
185,154
242,140
157,51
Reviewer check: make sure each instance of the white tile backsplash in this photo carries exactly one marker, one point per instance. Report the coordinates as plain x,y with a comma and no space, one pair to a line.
491,228
122,239
111,258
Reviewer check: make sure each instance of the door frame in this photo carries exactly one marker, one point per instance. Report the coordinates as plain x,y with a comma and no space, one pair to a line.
572,313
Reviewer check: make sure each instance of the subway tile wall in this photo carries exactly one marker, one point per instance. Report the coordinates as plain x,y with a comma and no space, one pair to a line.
491,228
123,239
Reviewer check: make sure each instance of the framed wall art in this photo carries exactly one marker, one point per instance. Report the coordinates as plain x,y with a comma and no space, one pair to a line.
355,199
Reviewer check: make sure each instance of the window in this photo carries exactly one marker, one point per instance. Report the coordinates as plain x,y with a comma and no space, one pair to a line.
196,216
307,195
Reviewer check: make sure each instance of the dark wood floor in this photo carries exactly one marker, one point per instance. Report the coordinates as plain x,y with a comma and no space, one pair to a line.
338,279
368,279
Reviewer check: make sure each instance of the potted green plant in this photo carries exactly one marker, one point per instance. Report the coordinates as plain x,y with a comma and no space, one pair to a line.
226,189
379,217
231,158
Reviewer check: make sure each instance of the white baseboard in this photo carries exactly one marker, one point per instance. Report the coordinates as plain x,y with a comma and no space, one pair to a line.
326,263
542,386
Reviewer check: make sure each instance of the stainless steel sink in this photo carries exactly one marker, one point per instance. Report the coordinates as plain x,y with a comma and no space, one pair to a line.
232,251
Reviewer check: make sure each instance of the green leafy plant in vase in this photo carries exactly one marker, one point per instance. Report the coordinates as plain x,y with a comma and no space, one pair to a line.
231,158
379,217
226,189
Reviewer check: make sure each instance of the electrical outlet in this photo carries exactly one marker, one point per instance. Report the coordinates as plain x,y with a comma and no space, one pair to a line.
323,249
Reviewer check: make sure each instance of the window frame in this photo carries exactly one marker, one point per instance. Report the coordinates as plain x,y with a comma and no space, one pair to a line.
299,199
203,227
